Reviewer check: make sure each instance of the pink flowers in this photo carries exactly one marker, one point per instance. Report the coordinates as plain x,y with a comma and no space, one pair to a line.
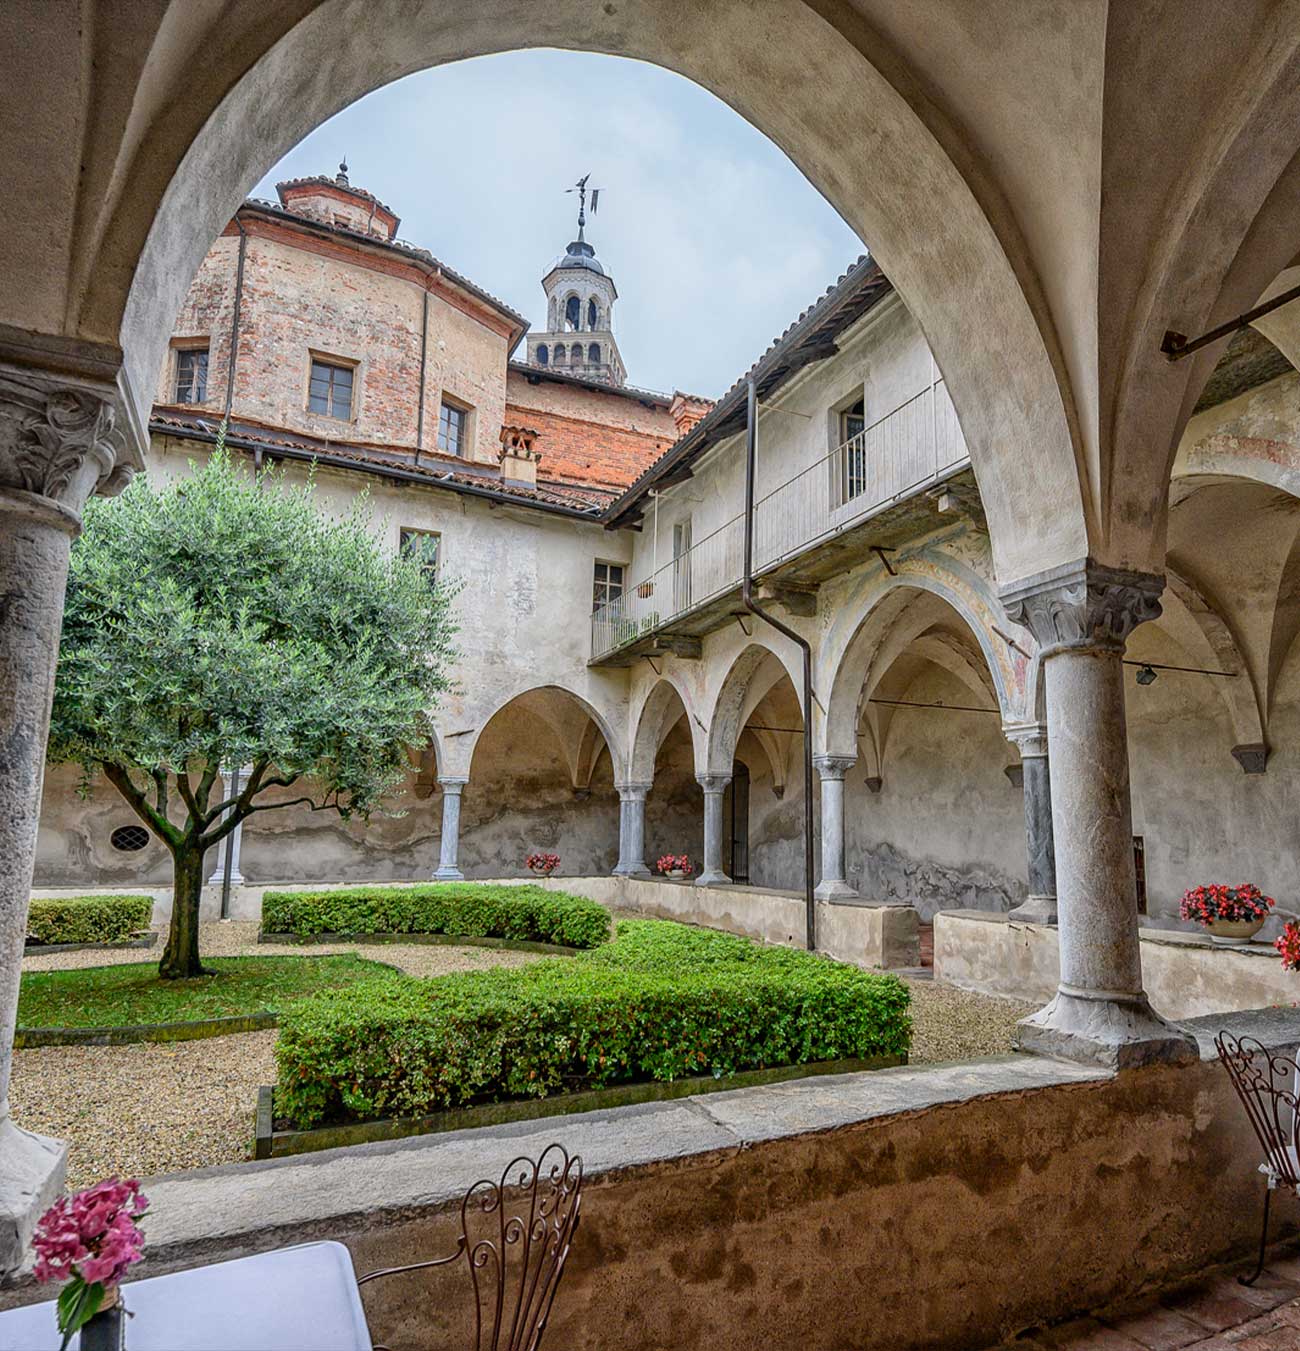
672,863
92,1235
545,864
1244,901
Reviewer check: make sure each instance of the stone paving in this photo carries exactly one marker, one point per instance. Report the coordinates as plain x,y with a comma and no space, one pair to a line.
1215,1313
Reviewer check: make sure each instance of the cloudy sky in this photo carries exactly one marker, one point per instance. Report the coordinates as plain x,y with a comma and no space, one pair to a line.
714,239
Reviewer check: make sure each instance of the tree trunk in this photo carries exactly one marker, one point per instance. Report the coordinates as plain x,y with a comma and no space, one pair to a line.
180,958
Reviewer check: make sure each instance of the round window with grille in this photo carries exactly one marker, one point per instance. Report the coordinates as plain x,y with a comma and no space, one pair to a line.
129,839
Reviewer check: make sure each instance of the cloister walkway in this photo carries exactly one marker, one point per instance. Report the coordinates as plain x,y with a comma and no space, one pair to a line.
1212,1314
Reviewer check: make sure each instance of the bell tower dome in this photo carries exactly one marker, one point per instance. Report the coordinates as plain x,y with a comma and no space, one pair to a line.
580,295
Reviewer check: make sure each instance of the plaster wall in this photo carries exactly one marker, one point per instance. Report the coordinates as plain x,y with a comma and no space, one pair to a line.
884,358
1185,975
1201,819
523,613
947,828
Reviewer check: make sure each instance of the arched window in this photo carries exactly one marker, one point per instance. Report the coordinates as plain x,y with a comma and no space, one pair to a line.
593,354
592,314
559,354
572,313
543,356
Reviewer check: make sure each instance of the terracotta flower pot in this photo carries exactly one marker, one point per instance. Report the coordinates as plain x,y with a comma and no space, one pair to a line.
1234,932
677,873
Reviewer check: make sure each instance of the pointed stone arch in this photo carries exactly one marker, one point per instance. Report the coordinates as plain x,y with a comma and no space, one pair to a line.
754,672
868,636
663,706
577,724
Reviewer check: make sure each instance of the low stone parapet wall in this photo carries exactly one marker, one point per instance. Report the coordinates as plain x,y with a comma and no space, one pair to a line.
861,932
921,1207
1186,976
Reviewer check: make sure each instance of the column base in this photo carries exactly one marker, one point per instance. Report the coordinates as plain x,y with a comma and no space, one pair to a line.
717,878
1036,910
1116,1033
32,1169
449,875
632,870
834,889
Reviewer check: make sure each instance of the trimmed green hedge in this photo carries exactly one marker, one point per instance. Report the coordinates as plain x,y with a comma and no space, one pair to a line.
662,1002
88,919
472,909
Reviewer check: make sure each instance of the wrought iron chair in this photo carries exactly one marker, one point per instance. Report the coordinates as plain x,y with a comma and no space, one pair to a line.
514,1239
1268,1084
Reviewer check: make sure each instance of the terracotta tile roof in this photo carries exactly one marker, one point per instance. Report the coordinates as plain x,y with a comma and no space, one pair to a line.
652,397
432,467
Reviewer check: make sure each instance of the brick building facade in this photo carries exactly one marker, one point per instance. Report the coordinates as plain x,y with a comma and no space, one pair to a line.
353,339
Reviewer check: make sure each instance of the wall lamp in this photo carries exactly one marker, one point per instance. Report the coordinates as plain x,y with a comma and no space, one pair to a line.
1147,671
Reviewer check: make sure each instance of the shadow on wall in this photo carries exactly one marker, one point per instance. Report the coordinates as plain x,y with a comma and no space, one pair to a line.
888,874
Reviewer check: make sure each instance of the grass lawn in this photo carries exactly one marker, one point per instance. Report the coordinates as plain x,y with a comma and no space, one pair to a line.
132,993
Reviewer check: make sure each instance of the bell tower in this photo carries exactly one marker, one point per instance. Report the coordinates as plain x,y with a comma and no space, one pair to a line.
580,295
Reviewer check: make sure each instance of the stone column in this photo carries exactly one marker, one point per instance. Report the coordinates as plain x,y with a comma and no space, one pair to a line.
236,837
1082,616
714,786
831,769
58,445
631,830
449,843
1031,740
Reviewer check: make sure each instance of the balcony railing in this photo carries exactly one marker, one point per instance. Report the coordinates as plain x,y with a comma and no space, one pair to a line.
915,445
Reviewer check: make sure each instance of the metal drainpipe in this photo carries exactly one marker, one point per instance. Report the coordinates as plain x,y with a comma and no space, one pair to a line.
234,320
257,465
750,604
424,348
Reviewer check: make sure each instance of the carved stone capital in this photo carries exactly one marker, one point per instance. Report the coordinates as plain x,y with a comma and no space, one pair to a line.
59,438
453,783
633,792
833,766
1083,605
713,783
1029,738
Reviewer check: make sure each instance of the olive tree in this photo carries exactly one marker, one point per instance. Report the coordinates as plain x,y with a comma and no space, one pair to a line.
223,620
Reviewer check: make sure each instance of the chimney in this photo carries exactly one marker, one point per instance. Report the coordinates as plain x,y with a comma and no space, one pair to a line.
687,409
519,460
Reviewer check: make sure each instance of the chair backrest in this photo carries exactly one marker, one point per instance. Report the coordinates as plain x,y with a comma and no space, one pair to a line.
515,1235
1268,1084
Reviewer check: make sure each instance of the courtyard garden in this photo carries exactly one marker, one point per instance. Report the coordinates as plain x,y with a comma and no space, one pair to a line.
378,1017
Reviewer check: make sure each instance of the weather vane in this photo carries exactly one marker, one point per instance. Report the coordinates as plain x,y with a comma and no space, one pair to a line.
580,187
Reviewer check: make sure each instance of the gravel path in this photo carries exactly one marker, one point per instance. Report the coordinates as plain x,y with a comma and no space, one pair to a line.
146,1109
952,1024
159,1108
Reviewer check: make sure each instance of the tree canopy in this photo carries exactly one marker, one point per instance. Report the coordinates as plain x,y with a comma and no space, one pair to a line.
223,620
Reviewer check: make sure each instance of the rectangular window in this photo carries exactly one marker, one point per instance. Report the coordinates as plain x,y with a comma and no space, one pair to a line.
682,566
330,389
608,584
453,424
191,374
424,546
854,471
